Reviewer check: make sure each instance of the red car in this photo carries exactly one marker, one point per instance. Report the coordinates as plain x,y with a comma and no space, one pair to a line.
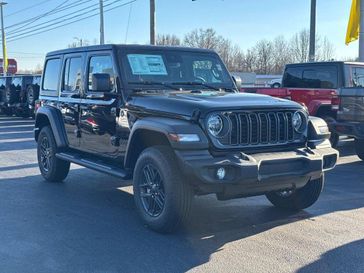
316,86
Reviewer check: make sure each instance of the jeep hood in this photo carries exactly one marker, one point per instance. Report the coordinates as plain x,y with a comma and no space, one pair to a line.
186,103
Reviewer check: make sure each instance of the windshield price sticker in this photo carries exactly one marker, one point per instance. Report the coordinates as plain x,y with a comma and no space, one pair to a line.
142,64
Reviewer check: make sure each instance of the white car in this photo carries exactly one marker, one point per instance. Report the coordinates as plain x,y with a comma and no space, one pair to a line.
275,83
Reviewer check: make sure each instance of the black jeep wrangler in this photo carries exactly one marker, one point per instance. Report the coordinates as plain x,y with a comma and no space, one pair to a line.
171,119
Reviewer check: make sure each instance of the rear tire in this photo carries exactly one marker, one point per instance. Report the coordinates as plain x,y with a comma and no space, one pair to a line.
359,148
298,199
162,198
52,168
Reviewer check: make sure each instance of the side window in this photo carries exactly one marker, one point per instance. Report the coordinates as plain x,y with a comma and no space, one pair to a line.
72,75
101,65
292,77
358,76
51,74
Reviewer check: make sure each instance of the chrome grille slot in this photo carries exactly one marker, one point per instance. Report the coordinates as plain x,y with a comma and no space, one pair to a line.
260,128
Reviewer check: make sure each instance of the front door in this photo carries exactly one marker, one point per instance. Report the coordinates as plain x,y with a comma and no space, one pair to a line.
100,109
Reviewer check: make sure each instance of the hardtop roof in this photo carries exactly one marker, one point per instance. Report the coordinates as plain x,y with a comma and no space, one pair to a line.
325,63
126,47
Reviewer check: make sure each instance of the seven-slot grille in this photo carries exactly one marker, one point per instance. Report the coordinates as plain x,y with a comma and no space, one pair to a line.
257,128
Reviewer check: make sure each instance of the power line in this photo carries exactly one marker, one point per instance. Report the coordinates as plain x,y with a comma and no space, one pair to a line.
62,20
25,35
27,8
58,9
127,26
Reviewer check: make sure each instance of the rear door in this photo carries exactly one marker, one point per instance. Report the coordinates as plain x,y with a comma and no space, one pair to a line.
70,96
351,104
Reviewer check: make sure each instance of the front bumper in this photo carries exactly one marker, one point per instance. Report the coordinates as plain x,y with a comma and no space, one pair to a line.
255,174
350,128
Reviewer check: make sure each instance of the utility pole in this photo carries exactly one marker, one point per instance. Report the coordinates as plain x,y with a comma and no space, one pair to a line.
361,33
152,22
313,31
102,35
3,37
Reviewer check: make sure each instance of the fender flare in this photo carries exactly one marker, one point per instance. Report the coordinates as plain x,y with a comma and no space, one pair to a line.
165,126
315,105
55,120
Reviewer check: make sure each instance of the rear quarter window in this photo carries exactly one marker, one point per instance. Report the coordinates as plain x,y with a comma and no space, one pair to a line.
51,74
315,76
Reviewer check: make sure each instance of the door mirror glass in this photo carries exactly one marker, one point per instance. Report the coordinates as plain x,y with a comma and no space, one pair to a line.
101,82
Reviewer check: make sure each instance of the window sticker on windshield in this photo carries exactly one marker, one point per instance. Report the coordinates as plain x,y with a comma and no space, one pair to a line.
147,64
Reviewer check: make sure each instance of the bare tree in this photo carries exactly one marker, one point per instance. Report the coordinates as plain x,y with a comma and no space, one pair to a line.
264,57
326,51
281,54
203,38
300,46
168,39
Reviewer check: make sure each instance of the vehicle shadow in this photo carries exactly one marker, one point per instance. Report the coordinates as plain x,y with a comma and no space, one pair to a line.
346,258
89,224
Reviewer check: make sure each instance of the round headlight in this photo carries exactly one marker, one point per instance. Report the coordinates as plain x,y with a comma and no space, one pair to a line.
298,122
215,125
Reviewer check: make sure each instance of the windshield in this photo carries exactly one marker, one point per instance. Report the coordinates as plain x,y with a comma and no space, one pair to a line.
175,68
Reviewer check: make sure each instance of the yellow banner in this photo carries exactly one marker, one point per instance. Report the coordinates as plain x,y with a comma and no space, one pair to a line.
352,32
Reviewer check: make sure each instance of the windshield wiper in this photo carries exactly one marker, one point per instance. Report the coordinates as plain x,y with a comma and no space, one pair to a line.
155,83
198,83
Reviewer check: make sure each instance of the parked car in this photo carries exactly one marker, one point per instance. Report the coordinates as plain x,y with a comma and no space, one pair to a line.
4,84
316,86
275,83
16,95
32,94
350,116
171,119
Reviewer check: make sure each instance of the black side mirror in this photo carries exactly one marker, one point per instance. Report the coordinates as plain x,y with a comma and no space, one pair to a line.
101,82
238,82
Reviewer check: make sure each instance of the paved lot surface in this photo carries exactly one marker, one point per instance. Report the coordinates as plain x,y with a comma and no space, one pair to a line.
88,223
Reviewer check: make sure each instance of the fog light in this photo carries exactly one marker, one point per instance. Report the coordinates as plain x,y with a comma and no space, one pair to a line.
221,173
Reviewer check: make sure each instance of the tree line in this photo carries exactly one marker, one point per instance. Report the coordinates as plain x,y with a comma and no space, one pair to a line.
265,57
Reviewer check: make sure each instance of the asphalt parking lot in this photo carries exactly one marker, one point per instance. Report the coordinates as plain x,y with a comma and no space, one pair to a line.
89,224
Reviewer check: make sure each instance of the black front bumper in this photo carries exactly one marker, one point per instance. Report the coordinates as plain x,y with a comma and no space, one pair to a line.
255,174
350,128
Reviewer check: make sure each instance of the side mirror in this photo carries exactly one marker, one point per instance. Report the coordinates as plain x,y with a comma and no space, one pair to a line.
237,81
101,82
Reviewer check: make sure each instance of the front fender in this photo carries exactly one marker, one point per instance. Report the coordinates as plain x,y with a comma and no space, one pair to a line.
163,127
53,117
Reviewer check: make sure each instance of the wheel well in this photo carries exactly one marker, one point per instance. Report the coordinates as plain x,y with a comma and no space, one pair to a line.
41,121
324,111
141,140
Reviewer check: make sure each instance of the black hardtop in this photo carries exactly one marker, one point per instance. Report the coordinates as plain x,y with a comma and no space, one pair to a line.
123,47
324,63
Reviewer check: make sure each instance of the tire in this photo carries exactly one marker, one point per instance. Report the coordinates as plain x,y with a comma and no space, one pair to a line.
51,168
32,95
276,85
159,164
298,199
334,138
11,95
359,148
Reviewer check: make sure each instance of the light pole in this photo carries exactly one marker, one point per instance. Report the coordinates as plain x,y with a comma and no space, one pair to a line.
152,22
361,33
312,32
3,38
102,37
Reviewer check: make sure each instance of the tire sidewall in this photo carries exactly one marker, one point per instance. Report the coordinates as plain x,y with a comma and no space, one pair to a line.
172,187
46,132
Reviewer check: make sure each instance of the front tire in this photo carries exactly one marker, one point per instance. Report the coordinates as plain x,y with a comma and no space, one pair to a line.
52,168
300,198
162,198
359,148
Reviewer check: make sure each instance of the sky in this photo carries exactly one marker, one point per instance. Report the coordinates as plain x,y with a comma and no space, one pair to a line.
244,22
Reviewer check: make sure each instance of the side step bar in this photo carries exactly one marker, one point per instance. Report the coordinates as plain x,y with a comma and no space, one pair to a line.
89,163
